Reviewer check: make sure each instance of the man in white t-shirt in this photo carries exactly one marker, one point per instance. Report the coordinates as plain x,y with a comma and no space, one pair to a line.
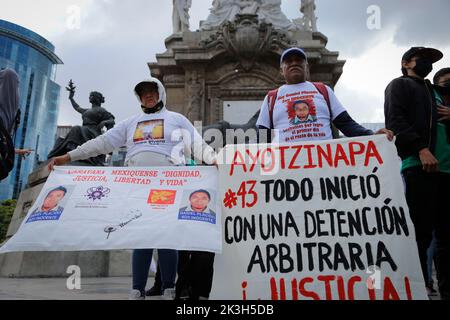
305,111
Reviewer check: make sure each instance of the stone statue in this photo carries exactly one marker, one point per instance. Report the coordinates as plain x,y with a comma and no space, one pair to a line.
180,16
270,12
221,11
308,8
94,120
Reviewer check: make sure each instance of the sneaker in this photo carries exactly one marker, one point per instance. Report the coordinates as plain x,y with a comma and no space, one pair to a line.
153,292
136,295
169,294
184,295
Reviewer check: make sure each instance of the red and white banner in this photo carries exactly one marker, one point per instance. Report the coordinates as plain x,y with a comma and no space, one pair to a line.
316,221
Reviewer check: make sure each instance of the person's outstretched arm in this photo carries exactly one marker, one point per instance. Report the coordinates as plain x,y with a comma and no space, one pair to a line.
104,144
201,150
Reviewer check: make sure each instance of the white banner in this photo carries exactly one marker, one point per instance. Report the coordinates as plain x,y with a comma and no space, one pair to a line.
316,221
83,209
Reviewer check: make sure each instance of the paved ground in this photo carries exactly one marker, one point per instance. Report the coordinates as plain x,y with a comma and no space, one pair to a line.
56,289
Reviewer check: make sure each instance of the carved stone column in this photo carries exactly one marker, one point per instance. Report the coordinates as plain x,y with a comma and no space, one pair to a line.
195,95
215,105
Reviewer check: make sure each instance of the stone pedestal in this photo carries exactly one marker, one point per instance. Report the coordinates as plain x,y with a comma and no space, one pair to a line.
238,61
55,264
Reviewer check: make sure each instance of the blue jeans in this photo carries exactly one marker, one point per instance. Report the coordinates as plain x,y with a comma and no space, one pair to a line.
142,258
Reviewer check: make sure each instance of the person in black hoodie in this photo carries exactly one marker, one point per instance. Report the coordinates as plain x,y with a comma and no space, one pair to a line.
9,120
412,113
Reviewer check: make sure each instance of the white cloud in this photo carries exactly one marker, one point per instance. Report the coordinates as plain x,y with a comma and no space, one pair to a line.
45,17
116,39
361,87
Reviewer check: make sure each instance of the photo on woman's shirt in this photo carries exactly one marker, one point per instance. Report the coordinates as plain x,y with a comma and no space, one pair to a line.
149,130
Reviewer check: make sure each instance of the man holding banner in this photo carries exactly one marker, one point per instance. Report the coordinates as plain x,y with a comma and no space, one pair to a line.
155,137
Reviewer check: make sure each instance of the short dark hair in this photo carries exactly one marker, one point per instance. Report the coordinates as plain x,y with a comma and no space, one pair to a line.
407,59
200,191
60,188
300,102
440,74
404,71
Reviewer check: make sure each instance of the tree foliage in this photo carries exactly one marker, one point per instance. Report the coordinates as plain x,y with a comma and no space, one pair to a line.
6,212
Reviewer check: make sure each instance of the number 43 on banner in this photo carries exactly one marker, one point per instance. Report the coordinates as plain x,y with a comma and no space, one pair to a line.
246,192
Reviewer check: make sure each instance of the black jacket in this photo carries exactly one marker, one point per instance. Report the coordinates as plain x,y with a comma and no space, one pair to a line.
411,113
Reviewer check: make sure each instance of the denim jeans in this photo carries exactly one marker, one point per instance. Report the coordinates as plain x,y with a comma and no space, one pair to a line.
142,258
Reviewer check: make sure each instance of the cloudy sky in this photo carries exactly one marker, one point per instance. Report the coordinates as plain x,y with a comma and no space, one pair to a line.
116,38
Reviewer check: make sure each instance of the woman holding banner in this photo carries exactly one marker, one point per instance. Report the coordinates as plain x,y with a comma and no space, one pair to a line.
155,137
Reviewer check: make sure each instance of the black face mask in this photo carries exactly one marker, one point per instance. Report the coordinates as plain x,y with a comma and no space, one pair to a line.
443,89
423,67
446,84
153,110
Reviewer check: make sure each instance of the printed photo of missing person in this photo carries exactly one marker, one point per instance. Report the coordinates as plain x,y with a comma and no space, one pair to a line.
199,206
302,112
51,208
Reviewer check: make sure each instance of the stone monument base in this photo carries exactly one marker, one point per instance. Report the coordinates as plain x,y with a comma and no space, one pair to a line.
55,264
93,264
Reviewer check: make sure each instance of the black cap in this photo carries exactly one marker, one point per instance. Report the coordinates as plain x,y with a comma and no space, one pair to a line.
433,54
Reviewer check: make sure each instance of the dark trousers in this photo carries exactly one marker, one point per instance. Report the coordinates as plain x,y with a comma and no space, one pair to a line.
195,273
427,195
167,260
158,281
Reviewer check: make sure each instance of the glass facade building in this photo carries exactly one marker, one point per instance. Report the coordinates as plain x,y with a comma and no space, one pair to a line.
34,59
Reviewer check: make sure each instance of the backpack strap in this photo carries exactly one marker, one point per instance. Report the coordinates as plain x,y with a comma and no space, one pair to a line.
271,100
16,125
324,92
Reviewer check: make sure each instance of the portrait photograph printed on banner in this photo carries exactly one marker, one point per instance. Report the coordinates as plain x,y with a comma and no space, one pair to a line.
198,205
51,207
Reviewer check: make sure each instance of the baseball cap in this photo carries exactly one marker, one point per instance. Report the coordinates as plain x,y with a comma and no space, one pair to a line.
433,54
292,51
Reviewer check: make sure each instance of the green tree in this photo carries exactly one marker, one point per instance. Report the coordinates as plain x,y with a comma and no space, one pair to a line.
6,212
